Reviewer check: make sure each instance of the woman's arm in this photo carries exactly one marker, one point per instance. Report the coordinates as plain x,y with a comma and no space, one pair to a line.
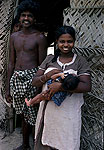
40,78
83,86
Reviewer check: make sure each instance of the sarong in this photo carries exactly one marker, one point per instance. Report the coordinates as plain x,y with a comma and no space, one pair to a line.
21,88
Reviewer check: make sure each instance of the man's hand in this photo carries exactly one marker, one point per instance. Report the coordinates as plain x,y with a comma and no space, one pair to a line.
9,98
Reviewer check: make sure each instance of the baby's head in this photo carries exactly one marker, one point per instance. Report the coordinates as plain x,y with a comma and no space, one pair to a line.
70,82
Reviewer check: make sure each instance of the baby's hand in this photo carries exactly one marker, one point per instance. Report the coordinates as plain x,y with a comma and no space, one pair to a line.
52,72
57,75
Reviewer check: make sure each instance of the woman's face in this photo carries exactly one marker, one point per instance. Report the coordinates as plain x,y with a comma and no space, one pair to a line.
65,43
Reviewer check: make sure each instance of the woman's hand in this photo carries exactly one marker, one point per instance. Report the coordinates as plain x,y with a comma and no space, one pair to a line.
53,88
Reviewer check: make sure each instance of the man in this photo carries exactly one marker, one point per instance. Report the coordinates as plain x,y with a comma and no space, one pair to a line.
28,48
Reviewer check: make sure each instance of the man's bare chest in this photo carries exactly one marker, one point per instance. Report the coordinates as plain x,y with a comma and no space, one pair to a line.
25,43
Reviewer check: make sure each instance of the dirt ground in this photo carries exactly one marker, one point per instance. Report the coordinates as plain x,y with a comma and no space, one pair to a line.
13,140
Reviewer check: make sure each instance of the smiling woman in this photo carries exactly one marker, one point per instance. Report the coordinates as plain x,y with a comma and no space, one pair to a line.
60,118
65,43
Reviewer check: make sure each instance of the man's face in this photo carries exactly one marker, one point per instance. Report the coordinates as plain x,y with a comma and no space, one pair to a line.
26,19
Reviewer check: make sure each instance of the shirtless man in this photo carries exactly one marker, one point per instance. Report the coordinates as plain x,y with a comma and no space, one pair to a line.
28,48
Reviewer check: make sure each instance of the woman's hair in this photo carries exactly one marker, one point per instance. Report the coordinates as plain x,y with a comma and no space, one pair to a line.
63,30
28,5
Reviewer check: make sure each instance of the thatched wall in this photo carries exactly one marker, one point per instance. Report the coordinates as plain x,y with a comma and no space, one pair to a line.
87,17
87,3
7,8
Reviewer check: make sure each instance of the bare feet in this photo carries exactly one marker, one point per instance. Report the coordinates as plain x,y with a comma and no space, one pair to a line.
38,98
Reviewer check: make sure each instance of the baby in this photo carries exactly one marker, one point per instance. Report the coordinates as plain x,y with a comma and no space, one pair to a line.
69,82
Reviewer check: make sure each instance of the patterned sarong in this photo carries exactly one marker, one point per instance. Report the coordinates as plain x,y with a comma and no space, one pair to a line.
21,88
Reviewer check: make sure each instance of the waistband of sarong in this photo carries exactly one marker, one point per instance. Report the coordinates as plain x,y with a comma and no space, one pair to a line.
33,69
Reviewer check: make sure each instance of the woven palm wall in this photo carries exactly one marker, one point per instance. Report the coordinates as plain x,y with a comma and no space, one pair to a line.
7,8
87,17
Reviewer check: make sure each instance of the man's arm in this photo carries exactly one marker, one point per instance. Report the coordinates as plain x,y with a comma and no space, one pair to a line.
42,45
11,66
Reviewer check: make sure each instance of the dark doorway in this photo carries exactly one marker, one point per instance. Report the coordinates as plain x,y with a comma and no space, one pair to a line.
51,15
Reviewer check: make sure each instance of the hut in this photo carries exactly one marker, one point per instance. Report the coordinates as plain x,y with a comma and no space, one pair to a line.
87,17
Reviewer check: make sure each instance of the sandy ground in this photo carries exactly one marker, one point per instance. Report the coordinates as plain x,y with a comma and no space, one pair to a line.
13,140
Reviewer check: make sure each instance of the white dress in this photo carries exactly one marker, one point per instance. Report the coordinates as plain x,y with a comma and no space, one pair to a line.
62,124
